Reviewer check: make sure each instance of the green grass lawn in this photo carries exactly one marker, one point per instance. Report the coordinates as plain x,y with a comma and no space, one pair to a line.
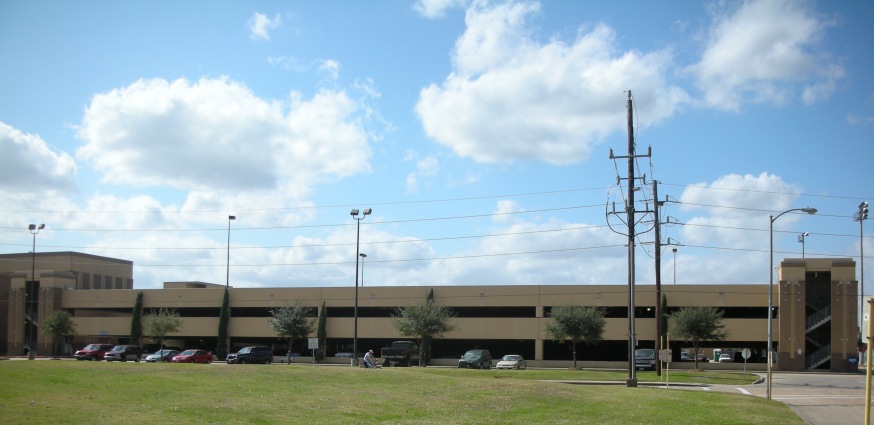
70,392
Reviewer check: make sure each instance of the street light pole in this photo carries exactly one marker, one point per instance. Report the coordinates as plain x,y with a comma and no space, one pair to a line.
771,219
675,266
801,238
28,309
228,271
363,256
861,216
354,214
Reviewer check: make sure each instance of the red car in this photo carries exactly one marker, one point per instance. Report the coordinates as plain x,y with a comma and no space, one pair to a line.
93,352
193,356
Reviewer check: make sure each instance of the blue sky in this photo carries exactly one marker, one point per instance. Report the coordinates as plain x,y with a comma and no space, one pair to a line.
478,132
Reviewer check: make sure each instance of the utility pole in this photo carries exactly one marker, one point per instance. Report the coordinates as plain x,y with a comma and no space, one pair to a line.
658,273
630,219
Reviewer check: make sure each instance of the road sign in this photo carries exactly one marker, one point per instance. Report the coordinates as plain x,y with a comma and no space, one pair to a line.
313,343
745,353
665,355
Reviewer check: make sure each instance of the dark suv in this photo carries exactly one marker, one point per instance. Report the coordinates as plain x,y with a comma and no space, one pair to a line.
123,352
93,352
256,354
476,359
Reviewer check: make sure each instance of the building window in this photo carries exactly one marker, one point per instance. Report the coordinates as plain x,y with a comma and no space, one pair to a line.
86,280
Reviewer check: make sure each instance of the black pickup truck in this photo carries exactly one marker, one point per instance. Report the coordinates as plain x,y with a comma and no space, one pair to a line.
400,353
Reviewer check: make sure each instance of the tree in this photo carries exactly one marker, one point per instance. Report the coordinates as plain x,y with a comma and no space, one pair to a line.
291,323
698,324
59,324
423,321
322,333
136,326
158,325
577,324
221,347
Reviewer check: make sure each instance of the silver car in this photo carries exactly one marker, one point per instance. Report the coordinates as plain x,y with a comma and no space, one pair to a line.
161,355
512,361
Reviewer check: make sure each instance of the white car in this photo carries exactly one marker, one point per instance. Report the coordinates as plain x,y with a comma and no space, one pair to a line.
512,361
725,358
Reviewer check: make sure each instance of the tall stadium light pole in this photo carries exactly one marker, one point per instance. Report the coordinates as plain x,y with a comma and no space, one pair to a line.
861,216
771,218
354,214
801,239
228,271
675,266
363,256
34,230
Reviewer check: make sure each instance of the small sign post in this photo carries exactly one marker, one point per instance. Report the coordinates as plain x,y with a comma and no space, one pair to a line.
313,345
665,357
746,354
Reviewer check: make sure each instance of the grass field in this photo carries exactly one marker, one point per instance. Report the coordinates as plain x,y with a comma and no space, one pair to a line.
70,392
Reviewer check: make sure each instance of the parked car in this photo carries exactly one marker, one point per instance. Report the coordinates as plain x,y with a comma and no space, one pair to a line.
193,356
689,357
256,354
400,353
476,359
162,355
93,352
512,361
645,358
346,354
725,358
122,353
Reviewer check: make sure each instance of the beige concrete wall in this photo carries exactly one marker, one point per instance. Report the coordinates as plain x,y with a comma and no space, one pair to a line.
71,264
100,313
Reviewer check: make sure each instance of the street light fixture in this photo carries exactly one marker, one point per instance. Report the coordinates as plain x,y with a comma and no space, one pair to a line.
363,256
228,271
34,230
771,219
801,238
354,213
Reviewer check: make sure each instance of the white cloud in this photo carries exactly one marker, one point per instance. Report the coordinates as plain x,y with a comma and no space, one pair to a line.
511,97
766,52
526,253
28,163
733,204
260,25
216,135
330,67
412,183
503,211
289,63
37,185
223,147
433,9
855,119
427,166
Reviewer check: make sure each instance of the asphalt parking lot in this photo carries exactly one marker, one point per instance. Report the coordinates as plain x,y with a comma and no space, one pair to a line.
818,398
